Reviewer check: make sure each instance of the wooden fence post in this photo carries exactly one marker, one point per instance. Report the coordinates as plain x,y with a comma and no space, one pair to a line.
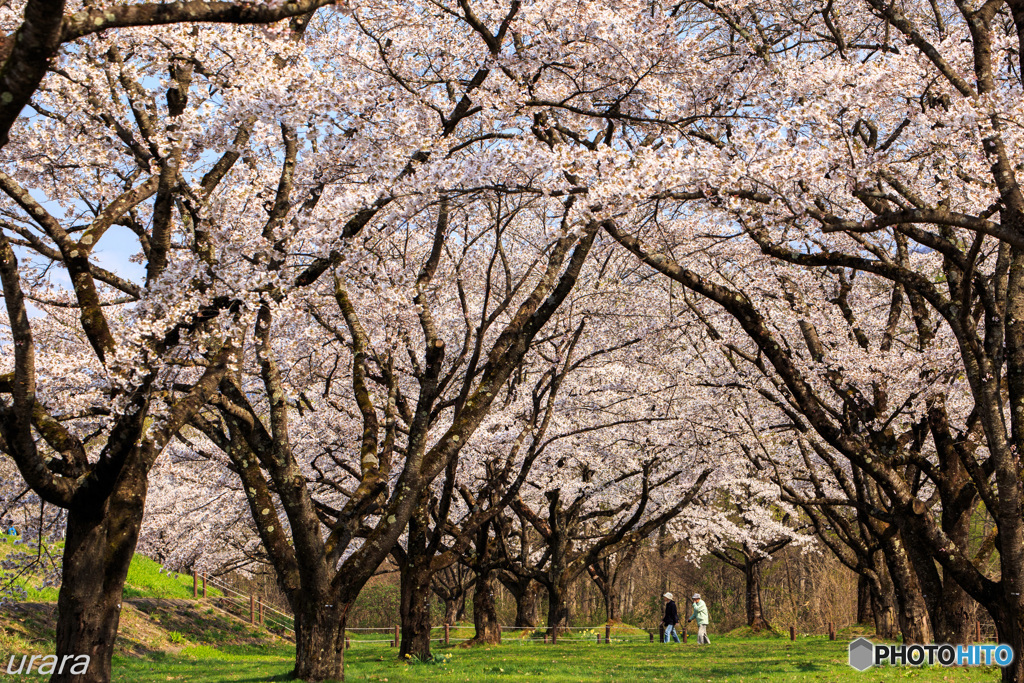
348,643
252,610
831,631
607,634
545,637
792,632
447,635
195,584
684,636
204,585
396,635
651,636
261,611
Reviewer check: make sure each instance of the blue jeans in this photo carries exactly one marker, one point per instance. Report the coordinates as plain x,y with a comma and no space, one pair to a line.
670,631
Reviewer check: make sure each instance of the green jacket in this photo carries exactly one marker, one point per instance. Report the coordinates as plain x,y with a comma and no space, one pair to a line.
700,613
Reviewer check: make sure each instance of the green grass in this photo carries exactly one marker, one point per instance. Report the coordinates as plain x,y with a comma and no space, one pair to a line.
144,579
31,582
738,660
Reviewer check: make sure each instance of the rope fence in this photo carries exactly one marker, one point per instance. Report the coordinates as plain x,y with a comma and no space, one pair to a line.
283,623
234,603
260,613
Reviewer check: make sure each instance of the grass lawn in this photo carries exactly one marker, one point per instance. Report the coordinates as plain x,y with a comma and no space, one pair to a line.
728,659
145,578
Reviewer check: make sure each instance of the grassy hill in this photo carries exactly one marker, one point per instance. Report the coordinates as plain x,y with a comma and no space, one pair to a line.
146,578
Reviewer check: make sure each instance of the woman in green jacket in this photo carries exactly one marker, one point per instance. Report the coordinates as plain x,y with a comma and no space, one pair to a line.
700,615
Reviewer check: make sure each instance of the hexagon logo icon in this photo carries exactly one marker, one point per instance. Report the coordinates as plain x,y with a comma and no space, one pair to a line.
862,654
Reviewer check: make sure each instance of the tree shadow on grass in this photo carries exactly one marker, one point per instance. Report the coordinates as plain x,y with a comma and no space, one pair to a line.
286,676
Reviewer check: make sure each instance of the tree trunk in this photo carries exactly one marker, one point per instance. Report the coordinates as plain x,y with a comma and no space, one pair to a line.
883,608
864,612
558,607
415,610
451,611
611,604
526,597
614,599
929,581
98,548
485,615
912,610
755,612
319,638
1010,631
460,611
959,610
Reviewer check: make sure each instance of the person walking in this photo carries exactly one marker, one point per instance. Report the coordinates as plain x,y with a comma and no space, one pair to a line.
700,615
671,618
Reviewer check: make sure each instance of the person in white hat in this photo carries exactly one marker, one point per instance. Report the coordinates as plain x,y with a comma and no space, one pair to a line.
671,619
700,615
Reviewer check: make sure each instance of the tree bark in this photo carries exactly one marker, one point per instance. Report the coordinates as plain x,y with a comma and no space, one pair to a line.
319,639
611,604
755,612
929,581
415,609
1009,630
912,610
98,548
450,610
950,609
883,608
526,592
959,612
485,615
558,607
864,612
460,611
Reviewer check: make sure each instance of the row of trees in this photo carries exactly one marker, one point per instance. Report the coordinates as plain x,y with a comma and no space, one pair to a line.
520,284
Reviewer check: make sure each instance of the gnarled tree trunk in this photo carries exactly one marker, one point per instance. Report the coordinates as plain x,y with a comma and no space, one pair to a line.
912,611
415,610
98,548
485,615
319,638
526,592
883,606
864,611
416,577
558,607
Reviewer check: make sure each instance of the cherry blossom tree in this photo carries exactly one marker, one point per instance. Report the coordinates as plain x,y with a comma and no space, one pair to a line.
105,369
628,455
329,514
495,466
766,530
940,232
35,30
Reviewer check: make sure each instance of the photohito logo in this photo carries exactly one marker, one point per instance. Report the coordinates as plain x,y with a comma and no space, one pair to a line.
864,654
